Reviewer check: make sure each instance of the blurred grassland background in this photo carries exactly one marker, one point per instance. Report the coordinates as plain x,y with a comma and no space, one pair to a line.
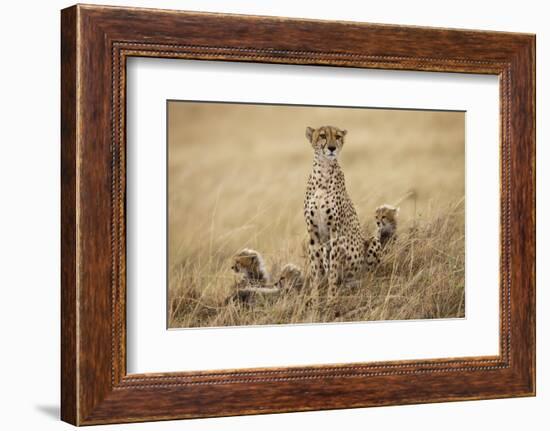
236,178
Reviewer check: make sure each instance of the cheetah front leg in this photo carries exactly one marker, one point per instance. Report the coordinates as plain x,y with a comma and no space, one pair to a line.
372,252
336,265
315,259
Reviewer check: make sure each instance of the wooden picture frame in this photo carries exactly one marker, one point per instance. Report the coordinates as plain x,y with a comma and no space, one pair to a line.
95,43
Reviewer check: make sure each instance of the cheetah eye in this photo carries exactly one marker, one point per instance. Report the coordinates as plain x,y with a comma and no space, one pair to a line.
322,135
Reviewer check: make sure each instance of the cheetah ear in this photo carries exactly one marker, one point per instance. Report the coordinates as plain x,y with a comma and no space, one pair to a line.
309,133
344,132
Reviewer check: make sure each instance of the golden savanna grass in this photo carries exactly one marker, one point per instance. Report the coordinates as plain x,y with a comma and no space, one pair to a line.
237,176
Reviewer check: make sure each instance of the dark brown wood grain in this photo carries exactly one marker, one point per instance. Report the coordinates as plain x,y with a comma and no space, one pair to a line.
95,42
68,216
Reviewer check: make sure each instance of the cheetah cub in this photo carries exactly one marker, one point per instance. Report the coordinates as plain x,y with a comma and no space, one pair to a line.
386,226
290,278
386,223
250,266
254,279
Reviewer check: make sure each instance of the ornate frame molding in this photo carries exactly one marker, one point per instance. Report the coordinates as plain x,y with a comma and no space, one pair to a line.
96,41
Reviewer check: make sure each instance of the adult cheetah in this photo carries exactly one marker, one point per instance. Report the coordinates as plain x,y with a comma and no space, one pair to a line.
336,246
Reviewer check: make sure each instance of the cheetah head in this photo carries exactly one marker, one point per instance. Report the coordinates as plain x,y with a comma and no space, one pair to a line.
386,216
327,141
250,264
291,277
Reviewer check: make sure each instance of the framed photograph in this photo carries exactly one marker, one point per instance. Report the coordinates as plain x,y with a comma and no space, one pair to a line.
263,214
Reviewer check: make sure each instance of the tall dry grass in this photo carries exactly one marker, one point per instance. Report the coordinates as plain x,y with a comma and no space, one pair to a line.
237,176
